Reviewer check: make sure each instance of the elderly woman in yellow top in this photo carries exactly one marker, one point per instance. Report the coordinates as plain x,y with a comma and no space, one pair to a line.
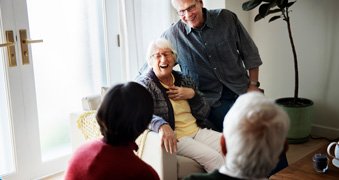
180,112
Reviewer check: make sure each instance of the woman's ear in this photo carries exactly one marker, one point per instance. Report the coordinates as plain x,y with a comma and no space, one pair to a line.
223,145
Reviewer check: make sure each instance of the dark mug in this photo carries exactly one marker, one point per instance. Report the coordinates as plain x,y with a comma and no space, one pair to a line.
320,162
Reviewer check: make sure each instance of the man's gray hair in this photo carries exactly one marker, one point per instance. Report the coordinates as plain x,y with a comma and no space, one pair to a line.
255,131
175,5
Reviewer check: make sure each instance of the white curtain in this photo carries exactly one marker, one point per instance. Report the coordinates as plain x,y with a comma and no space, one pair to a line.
142,22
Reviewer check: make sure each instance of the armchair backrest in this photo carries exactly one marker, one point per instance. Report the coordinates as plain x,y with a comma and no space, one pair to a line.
88,125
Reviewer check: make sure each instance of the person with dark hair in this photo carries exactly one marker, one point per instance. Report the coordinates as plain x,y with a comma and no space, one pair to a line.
179,110
123,115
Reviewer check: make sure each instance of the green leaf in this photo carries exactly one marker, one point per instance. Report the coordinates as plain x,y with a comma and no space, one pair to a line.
290,4
274,18
257,17
273,4
273,11
269,1
282,3
249,5
263,9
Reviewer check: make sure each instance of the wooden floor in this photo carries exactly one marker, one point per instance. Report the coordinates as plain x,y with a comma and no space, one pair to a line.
298,151
294,153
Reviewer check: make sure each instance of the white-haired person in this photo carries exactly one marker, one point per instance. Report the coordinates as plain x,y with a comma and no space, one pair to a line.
180,112
254,136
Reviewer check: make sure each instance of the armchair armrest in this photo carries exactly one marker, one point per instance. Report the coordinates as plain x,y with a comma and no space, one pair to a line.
150,151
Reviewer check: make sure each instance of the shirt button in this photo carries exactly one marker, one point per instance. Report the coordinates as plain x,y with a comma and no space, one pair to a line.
209,56
205,43
215,68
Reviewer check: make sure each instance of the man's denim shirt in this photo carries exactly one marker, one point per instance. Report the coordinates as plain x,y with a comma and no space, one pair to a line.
216,55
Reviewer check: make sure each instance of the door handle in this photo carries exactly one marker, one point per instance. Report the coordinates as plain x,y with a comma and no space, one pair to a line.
10,48
7,44
32,41
24,45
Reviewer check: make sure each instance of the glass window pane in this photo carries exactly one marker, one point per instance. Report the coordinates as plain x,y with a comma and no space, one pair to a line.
68,65
6,146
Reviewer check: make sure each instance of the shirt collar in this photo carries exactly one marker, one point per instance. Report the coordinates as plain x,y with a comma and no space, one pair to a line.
208,21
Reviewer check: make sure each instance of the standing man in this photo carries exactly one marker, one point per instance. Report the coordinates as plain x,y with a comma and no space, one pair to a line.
216,51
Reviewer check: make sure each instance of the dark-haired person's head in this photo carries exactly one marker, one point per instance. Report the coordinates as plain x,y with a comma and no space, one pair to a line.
124,113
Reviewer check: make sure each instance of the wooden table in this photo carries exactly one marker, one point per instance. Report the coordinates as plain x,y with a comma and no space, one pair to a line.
303,169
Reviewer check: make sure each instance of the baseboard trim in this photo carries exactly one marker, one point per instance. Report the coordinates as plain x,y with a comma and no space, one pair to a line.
324,131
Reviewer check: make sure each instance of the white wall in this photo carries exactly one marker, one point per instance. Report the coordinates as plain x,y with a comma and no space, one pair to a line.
214,4
315,27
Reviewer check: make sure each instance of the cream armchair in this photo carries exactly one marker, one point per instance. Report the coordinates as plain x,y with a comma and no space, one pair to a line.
168,166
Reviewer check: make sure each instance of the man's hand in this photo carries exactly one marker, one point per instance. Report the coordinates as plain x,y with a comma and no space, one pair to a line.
180,93
168,139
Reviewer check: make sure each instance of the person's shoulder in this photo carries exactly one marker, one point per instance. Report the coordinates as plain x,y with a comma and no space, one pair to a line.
90,145
223,16
147,80
222,13
175,25
173,29
144,77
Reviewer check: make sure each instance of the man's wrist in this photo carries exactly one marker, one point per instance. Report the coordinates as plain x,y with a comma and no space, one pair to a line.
254,83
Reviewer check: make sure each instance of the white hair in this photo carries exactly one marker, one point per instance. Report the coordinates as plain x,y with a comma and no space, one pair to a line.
160,43
175,4
255,130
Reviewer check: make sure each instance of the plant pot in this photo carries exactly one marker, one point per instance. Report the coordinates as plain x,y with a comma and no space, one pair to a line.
300,112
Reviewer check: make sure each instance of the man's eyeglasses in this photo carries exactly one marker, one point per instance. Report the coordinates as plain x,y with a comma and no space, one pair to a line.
189,9
166,54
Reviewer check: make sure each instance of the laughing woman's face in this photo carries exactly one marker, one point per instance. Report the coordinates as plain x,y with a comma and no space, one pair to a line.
163,61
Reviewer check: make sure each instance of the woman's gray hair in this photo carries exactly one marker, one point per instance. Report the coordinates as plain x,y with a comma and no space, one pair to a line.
160,43
255,131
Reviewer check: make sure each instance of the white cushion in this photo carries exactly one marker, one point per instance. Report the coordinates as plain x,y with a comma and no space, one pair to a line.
90,103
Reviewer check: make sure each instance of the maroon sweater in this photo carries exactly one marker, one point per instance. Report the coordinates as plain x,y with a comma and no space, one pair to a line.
98,160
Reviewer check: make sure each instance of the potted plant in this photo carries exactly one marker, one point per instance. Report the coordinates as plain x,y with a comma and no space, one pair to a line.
299,109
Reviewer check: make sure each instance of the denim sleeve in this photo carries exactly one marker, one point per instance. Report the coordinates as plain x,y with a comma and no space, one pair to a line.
246,46
144,69
155,123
